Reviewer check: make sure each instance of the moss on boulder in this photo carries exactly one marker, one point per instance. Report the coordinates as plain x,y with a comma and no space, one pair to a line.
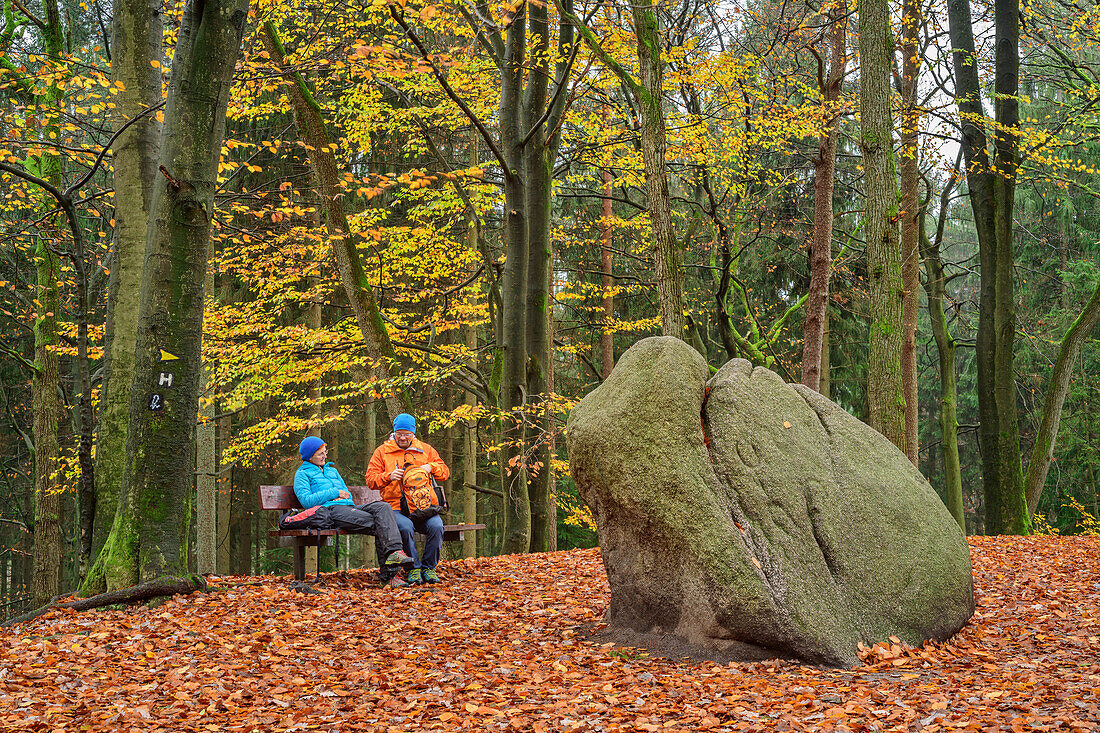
755,518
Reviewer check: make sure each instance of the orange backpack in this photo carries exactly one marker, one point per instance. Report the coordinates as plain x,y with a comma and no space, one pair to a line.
421,496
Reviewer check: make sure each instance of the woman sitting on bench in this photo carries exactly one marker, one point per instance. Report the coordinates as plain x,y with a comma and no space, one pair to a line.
317,483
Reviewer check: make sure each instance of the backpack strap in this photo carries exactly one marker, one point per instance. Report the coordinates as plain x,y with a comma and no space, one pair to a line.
440,494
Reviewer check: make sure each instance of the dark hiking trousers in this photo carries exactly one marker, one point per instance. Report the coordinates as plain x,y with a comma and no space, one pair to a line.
375,518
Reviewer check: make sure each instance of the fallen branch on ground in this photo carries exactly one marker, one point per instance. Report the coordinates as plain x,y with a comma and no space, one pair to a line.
166,585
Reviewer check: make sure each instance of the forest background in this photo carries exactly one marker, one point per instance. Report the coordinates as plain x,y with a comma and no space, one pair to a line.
468,211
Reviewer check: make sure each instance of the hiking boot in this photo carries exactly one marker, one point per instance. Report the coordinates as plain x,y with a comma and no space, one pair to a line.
394,582
397,557
414,577
430,576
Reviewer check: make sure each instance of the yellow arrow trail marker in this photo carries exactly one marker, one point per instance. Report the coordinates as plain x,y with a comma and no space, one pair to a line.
165,356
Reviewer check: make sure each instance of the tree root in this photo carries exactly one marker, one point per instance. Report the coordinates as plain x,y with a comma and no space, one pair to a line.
166,585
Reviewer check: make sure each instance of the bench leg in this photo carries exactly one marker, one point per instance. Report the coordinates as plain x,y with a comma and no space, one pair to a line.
299,559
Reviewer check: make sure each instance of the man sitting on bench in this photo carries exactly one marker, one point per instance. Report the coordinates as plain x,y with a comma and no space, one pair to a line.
317,483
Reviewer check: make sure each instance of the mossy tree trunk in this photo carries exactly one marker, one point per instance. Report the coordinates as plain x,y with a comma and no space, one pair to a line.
1043,451
540,153
936,285
46,581
137,39
524,150
886,402
991,187
649,95
149,535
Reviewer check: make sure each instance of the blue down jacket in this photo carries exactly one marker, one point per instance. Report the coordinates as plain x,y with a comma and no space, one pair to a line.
316,486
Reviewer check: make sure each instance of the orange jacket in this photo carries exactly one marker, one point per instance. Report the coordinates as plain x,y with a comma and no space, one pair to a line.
389,456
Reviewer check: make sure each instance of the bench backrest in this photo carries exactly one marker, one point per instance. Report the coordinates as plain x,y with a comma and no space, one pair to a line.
282,497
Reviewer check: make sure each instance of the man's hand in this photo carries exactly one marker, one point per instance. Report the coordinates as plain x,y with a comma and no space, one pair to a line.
429,467
343,494
396,474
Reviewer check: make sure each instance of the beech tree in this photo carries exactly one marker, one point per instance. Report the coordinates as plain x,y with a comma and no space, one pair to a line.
532,102
136,42
149,536
885,399
831,76
991,184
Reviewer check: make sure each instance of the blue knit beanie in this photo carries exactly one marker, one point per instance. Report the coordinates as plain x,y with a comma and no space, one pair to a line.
310,446
404,421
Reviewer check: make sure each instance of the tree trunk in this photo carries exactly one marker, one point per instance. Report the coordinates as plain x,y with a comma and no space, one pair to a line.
885,400
910,211
149,536
991,198
517,503
137,33
945,346
46,581
607,336
469,446
821,256
539,154
366,556
223,428
206,494
650,99
1061,376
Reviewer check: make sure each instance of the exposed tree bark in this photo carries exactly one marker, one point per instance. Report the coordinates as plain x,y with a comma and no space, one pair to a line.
517,503
540,152
353,276
910,211
469,462
607,337
648,95
469,445
206,495
885,400
821,256
935,284
825,384
46,580
222,486
523,147
149,536
1061,376
137,38
992,196
650,98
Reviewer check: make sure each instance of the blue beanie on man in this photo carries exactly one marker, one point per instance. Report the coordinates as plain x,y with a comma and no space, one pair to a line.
404,421
309,446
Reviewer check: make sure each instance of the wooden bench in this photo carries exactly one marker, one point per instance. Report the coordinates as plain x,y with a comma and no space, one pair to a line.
282,498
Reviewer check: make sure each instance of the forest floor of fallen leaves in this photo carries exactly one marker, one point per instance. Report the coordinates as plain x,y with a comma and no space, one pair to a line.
501,645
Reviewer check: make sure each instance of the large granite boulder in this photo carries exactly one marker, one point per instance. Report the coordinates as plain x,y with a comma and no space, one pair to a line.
752,517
